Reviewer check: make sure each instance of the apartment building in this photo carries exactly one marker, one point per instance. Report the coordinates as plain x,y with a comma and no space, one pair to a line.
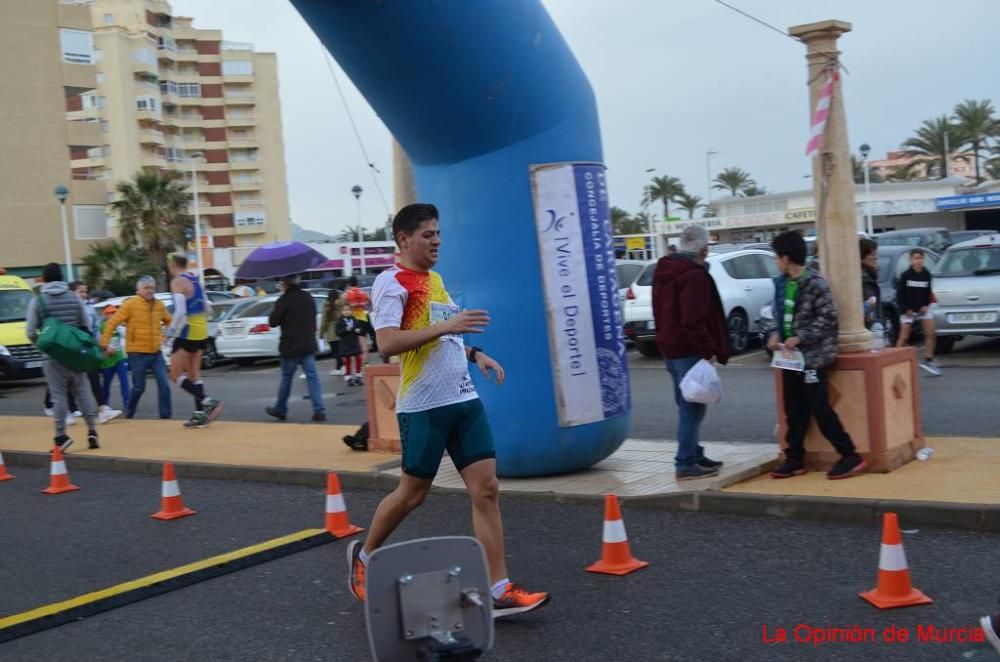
175,97
109,87
50,60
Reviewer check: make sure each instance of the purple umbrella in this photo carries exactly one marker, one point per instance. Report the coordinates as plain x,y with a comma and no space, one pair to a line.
282,258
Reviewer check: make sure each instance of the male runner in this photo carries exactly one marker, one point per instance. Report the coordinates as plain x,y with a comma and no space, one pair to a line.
437,405
190,333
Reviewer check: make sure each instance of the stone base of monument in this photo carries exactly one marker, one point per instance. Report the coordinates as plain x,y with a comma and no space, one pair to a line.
877,396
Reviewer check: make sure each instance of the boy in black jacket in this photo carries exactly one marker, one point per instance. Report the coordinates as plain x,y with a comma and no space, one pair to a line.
914,297
350,331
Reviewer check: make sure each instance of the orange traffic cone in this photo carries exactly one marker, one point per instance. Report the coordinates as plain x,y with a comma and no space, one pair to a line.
894,588
337,523
3,471
58,476
171,502
616,557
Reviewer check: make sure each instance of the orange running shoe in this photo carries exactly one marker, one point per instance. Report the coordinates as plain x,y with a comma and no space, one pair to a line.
516,600
356,572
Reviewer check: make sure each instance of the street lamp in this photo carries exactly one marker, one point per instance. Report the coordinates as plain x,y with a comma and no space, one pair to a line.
708,172
865,150
62,193
197,218
356,190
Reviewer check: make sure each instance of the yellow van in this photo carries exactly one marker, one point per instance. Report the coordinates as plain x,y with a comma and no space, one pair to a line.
18,358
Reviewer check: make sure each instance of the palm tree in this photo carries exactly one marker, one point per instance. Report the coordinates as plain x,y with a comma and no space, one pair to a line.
664,189
733,180
623,223
641,222
689,203
153,214
906,172
752,189
116,267
350,234
976,122
858,167
933,142
993,169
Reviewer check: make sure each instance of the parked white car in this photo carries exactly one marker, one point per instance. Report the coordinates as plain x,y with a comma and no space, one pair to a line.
967,288
247,335
744,278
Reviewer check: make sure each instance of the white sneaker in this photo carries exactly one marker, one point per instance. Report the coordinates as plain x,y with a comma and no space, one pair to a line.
70,419
931,366
78,413
302,376
348,378
336,372
49,411
107,414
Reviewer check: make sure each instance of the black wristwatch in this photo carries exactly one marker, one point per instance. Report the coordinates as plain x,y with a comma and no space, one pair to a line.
472,354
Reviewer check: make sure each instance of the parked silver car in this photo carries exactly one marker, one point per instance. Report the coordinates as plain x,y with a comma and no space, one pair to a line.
967,288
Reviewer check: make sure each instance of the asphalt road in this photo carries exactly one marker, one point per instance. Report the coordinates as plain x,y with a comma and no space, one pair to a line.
961,403
713,584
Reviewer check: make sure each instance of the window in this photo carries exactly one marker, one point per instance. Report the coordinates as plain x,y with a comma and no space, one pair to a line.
168,87
145,56
104,126
766,265
744,267
243,155
973,261
246,219
174,154
77,46
92,101
166,44
189,89
146,103
109,19
646,278
91,221
100,78
627,274
237,68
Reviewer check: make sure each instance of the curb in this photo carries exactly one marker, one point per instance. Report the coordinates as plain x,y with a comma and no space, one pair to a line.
964,516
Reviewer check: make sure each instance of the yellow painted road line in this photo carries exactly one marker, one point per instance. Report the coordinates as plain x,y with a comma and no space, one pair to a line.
88,604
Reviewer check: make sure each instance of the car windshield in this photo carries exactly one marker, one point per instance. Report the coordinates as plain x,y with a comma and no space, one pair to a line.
884,267
899,239
14,305
646,279
257,309
222,309
973,261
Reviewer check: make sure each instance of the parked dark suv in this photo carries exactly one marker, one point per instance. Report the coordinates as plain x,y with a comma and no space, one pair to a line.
935,239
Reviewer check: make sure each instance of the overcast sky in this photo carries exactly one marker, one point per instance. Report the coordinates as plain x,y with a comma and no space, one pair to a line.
673,79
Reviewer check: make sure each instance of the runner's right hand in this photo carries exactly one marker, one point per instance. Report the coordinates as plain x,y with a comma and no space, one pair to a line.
468,321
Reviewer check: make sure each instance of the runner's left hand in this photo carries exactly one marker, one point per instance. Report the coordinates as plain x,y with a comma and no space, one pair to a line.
486,364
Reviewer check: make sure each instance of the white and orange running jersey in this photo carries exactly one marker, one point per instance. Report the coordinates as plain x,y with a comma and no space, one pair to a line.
435,374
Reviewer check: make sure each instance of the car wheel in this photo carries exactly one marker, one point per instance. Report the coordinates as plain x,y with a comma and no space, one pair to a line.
944,344
245,362
648,349
210,357
739,331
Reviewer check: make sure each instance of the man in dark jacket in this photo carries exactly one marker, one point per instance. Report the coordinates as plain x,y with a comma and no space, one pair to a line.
58,301
806,319
295,314
690,326
871,293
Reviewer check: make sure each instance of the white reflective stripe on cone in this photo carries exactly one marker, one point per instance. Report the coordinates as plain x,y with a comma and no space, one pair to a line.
58,468
615,531
892,557
170,488
335,503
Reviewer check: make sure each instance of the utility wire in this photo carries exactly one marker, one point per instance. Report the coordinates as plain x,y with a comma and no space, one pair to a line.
364,152
757,20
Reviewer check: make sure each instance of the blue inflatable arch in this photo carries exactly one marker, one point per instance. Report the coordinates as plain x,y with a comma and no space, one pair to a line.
478,93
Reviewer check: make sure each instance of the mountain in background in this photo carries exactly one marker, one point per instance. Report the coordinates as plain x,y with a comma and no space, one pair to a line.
299,233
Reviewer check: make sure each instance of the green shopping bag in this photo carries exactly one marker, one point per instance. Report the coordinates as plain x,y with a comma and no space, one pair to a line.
66,344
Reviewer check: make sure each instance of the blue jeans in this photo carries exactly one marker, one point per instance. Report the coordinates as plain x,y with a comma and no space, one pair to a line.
288,367
691,415
139,364
119,370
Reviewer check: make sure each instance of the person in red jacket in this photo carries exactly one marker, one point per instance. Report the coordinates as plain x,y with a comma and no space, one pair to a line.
690,326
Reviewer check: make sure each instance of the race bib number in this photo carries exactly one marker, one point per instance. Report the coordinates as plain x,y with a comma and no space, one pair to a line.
785,359
442,312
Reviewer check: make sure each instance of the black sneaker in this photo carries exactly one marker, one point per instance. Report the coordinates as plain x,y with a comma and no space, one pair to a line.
212,408
710,464
847,467
319,416
991,628
695,472
271,411
63,442
92,440
788,469
198,420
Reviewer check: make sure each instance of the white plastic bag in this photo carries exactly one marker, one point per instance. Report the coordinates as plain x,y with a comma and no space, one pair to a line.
702,384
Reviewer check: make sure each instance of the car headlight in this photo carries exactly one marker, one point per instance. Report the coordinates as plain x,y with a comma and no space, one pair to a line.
4,351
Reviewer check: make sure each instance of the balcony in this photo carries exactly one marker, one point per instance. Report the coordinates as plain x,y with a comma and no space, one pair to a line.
251,229
185,54
151,137
253,184
244,165
241,120
240,99
89,162
184,120
149,116
145,68
84,134
237,78
243,143
78,78
188,101
147,160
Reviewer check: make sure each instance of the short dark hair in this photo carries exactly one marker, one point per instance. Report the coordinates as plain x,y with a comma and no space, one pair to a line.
410,217
867,246
75,284
916,251
352,281
52,273
792,245
179,260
